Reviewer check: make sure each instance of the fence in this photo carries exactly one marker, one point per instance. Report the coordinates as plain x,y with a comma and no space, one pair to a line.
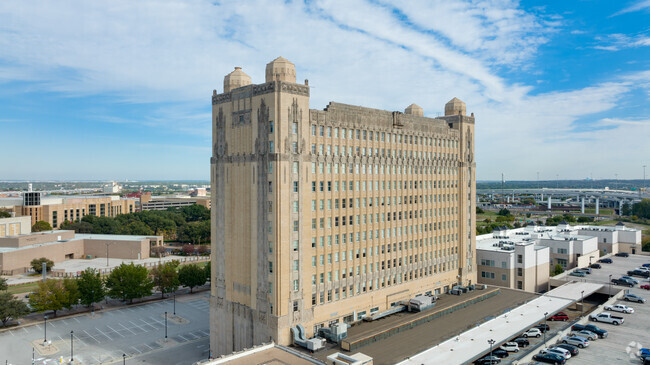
351,344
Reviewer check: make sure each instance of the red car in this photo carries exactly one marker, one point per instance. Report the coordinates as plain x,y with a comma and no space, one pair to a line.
645,286
559,316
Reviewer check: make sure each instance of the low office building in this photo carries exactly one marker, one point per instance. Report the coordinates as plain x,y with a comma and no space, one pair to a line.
56,209
148,202
19,246
521,258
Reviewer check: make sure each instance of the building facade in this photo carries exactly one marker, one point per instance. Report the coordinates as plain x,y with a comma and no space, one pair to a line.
56,209
321,216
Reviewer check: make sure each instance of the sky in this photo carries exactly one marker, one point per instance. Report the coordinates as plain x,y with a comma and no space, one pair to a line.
121,89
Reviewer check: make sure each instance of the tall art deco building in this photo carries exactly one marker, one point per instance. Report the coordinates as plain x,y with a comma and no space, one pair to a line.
325,216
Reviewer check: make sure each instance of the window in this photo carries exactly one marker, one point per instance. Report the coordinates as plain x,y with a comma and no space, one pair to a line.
295,186
271,147
295,305
503,277
296,224
520,271
520,284
520,259
295,285
294,128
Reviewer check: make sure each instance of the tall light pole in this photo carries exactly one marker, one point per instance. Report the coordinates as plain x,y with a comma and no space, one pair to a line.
45,329
545,314
71,346
165,326
643,179
174,304
107,243
582,303
491,342
123,359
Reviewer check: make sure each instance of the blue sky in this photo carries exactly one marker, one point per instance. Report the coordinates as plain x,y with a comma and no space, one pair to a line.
121,89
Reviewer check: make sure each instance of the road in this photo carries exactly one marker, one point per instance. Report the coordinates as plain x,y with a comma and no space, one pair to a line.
137,331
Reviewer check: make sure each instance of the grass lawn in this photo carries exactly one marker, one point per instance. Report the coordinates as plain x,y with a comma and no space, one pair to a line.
23,288
601,211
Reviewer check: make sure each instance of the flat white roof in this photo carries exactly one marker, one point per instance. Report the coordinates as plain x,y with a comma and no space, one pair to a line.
474,342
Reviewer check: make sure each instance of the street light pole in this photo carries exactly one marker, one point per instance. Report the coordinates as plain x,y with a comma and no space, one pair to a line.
491,342
45,329
107,243
124,359
71,346
165,326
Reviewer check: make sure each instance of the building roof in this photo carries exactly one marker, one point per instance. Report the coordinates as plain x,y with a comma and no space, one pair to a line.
620,224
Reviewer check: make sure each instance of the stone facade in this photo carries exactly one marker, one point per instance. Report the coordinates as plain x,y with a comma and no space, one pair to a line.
321,216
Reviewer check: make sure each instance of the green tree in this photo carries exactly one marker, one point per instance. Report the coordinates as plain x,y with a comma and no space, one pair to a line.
642,209
91,287
37,264
557,270
11,308
504,212
3,284
626,209
207,269
479,210
41,226
4,214
71,297
128,282
191,275
165,277
585,219
50,295
78,227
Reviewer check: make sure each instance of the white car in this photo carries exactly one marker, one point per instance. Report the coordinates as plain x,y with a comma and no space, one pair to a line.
646,269
533,332
586,334
510,347
619,308
558,351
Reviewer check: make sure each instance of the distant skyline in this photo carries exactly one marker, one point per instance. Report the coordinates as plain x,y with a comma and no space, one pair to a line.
115,90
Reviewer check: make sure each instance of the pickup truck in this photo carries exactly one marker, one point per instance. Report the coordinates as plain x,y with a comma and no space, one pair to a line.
590,327
641,273
606,318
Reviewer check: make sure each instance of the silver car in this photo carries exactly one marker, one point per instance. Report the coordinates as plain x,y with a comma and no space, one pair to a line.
581,342
585,334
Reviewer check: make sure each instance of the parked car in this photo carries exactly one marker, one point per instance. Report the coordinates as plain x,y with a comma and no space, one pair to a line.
488,360
522,342
606,260
627,277
623,282
606,318
572,349
633,298
533,332
641,273
586,334
559,316
645,286
595,266
543,327
586,270
643,268
500,353
644,352
646,265
550,358
581,342
622,254
562,352
510,346
619,308
578,273
592,328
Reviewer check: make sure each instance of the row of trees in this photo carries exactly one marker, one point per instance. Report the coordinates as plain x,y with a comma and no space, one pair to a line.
185,224
640,209
126,282
9,306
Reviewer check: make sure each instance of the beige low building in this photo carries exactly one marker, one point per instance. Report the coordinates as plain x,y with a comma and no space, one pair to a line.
56,209
326,216
17,250
149,202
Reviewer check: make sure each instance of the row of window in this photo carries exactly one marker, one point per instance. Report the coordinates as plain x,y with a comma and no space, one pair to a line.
363,135
375,169
361,253
336,150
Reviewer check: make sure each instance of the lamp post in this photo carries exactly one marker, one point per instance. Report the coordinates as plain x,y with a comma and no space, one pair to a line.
582,303
71,346
491,342
124,359
165,326
545,314
45,329
107,243
174,304
609,295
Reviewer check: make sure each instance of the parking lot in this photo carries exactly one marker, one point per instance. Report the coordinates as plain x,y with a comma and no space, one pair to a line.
137,331
619,267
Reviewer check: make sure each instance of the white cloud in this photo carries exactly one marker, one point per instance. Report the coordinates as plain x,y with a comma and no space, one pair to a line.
636,6
618,41
426,52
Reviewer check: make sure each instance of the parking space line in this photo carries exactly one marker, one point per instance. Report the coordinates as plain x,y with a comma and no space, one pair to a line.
114,330
75,318
38,326
138,326
103,334
150,348
181,336
12,333
139,352
25,330
96,360
52,324
89,335
126,328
